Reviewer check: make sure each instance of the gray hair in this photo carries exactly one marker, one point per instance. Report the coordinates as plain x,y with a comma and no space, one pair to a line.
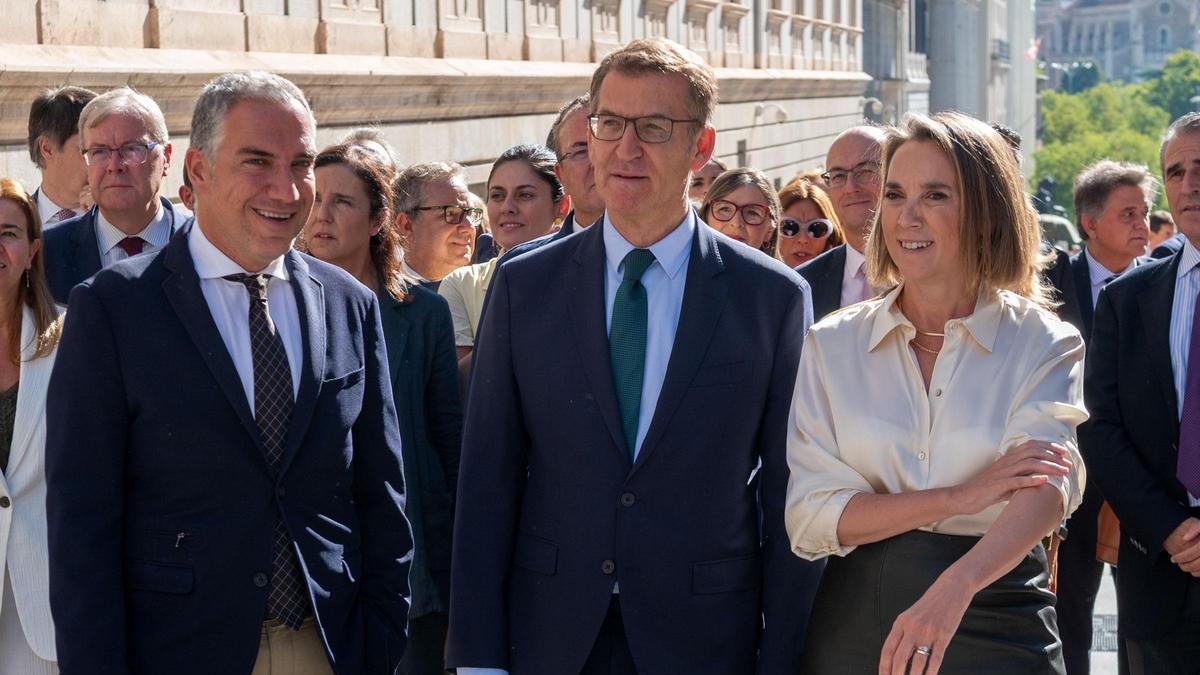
1096,182
408,188
577,103
1188,124
219,95
124,100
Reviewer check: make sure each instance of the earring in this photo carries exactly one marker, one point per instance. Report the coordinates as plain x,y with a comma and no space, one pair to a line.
26,278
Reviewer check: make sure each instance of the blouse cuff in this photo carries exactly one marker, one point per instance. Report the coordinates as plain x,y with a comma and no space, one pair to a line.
819,538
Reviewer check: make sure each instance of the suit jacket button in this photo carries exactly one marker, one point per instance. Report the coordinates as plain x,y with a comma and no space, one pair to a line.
5,502
608,567
628,499
260,579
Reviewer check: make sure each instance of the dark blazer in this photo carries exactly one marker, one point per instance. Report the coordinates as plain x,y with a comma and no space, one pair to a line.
1130,443
71,251
824,275
424,376
1061,278
161,504
551,512
1168,248
568,228
1082,282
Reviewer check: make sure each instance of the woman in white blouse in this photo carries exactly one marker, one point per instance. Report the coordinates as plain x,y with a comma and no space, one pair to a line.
932,436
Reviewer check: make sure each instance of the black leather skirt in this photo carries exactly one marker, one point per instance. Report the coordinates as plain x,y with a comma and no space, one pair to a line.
1009,629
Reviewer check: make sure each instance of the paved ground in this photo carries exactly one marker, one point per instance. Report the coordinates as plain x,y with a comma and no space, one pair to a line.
1105,662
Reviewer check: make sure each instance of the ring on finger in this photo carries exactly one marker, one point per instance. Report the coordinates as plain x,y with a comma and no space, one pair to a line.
924,651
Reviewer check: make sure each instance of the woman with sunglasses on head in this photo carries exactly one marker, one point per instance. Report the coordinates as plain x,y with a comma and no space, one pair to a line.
809,227
741,204
351,226
525,200
932,512
31,327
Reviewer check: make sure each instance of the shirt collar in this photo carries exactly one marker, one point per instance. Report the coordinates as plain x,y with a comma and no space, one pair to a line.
211,263
156,233
1099,274
409,271
1189,258
983,324
47,209
670,252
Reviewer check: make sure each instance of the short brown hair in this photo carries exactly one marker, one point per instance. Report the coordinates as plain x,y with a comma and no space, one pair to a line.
802,188
1160,218
1000,243
662,56
34,293
733,179
55,115
1096,182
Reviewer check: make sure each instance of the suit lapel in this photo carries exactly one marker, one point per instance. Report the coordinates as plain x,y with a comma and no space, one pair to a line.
395,331
87,253
586,308
310,301
703,300
829,284
1155,300
1083,292
31,395
182,288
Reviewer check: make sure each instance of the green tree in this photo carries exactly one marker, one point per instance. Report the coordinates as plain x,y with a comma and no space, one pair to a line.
1174,88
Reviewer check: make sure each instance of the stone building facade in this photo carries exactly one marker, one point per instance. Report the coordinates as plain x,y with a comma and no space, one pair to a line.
1126,38
445,79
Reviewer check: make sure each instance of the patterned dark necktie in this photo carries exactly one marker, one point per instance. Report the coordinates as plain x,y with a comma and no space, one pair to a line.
62,214
627,343
1188,463
273,402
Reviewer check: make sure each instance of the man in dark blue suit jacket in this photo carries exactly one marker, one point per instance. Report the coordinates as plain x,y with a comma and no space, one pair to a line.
197,524
73,253
610,523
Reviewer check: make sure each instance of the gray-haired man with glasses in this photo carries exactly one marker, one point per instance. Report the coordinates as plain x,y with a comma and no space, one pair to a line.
838,276
123,138
435,219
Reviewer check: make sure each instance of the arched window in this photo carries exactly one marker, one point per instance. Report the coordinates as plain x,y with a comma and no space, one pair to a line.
1164,36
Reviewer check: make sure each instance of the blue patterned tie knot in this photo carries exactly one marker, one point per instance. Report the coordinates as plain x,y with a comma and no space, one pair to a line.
637,262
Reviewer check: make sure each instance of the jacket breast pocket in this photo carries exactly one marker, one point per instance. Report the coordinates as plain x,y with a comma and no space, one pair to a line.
723,373
158,578
727,576
536,555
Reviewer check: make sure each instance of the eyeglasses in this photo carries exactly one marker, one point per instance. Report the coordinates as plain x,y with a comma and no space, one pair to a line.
752,214
131,154
581,153
818,228
865,173
650,129
453,213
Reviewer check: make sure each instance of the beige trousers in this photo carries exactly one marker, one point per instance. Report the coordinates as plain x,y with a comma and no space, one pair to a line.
283,651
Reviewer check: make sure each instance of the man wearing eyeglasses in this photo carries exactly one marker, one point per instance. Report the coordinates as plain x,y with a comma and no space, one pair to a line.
123,138
435,219
609,509
838,276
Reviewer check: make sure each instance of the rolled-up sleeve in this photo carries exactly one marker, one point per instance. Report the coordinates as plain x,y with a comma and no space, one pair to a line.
820,483
1049,407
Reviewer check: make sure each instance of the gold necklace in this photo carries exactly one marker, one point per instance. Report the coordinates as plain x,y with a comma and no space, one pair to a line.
919,331
923,348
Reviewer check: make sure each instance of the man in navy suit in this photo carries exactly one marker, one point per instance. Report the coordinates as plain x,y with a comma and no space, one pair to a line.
1142,442
54,148
838,276
223,458
125,145
1112,207
611,483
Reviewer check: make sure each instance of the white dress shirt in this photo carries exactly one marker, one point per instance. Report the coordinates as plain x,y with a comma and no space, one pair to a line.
1183,310
664,282
854,286
47,209
409,271
155,235
1100,275
229,303
863,421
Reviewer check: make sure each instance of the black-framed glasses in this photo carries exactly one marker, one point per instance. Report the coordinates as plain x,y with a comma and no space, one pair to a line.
453,213
864,173
752,214
581,153
650,129
131,154
817,228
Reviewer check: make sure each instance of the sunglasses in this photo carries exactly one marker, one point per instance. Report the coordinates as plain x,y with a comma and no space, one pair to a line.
818,228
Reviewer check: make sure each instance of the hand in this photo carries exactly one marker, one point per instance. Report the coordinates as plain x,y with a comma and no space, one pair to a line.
1184,546
85,198
1027,465
931,622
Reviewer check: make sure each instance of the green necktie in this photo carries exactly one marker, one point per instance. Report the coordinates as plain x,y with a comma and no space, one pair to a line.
627,342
